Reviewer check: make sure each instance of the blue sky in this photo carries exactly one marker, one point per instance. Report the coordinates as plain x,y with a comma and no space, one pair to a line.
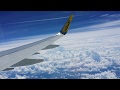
11,26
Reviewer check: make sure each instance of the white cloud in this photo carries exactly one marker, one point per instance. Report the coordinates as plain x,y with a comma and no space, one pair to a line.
103,75
114,15
117,22
110,16
3,77
93,54
103,26
20,77
104,15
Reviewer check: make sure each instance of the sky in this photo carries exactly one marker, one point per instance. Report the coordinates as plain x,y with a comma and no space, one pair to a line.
18,24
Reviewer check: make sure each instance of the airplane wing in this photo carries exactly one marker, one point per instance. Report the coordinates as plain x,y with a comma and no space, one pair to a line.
18,56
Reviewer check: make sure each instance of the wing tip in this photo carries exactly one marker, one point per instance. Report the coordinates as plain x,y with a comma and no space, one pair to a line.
67,25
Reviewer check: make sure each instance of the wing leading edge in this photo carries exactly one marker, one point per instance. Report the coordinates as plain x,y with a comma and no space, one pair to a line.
17,56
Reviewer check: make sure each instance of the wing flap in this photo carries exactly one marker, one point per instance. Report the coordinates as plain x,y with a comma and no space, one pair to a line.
26,62
36,53
50,47
7,69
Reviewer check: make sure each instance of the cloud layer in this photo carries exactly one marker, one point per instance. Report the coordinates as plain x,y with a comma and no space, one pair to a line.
88,55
